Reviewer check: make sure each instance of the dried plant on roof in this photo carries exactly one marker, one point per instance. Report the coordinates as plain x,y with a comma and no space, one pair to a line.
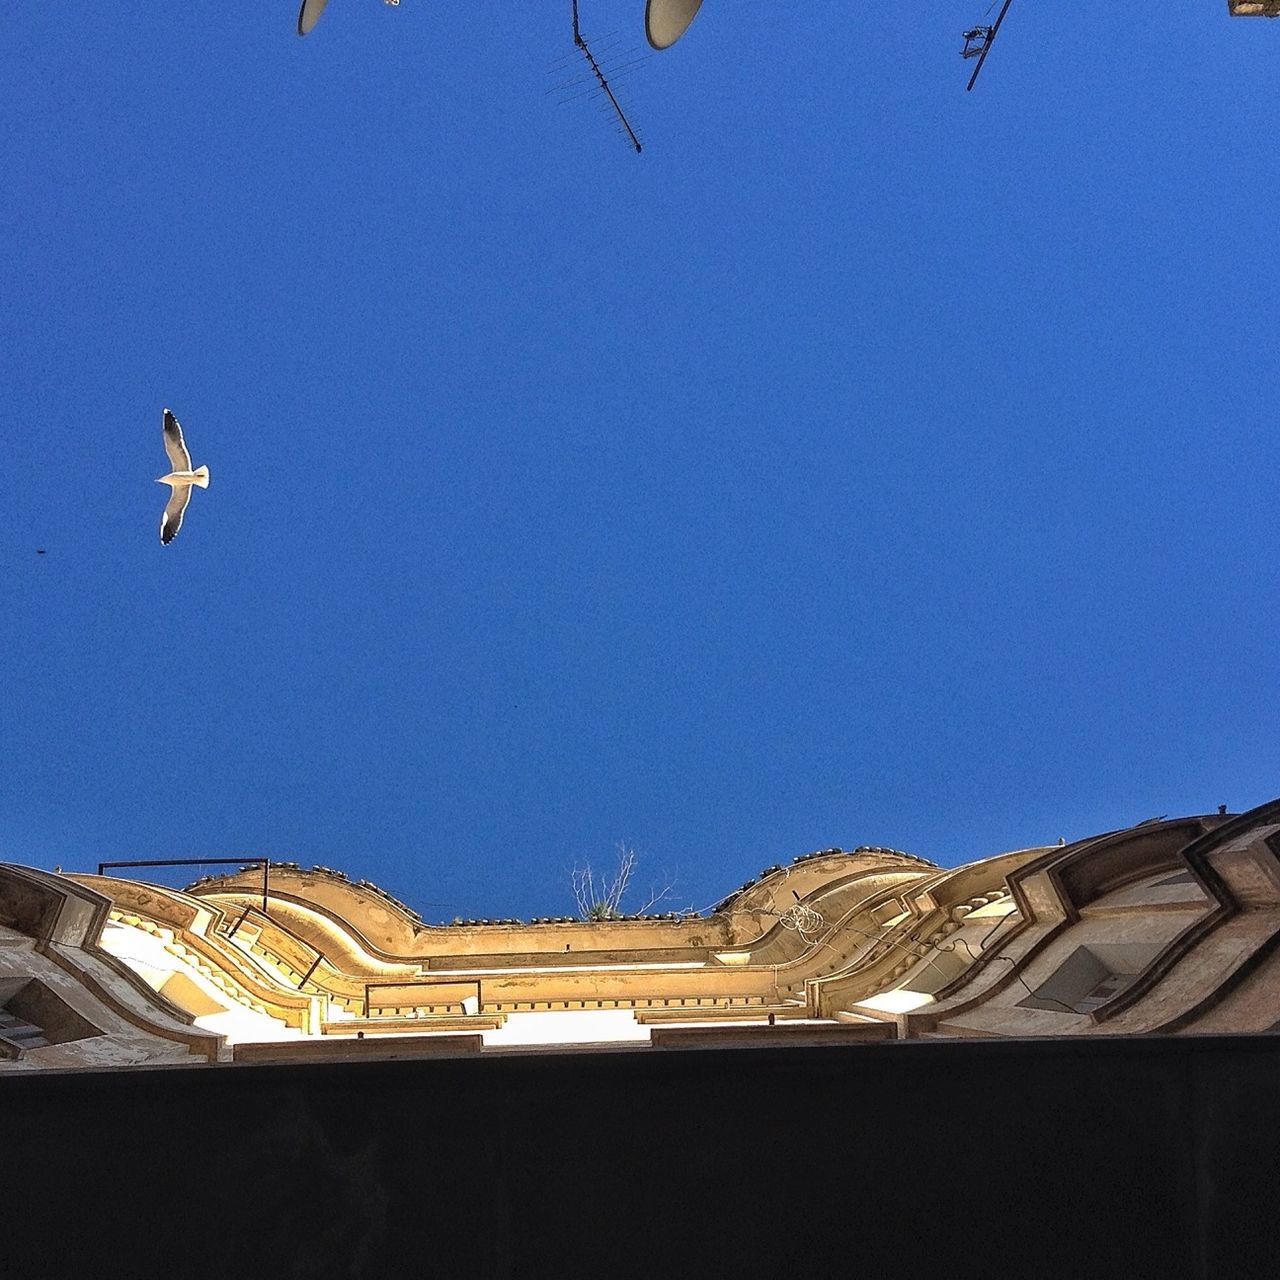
601,898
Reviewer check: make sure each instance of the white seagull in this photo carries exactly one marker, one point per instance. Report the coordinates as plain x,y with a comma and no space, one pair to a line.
180,479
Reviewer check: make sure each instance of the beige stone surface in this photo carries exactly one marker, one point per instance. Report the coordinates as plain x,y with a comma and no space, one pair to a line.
1171,925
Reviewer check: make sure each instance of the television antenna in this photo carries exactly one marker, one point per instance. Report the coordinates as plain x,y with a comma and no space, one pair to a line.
597,77
978,41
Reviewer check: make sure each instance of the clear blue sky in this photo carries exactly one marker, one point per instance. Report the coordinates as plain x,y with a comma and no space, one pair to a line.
866,462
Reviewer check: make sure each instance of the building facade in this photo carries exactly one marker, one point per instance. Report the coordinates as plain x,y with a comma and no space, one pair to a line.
1169,926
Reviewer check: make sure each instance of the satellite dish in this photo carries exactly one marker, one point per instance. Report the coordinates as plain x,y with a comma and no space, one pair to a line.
309,14
665,21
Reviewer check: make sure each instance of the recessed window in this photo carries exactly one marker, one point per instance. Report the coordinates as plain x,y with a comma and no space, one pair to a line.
33,1017
1091,976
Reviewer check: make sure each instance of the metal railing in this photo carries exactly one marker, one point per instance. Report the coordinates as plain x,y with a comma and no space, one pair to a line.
202,862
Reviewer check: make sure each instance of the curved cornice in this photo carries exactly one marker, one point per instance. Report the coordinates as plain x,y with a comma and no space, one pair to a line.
821,934
389,930
65,918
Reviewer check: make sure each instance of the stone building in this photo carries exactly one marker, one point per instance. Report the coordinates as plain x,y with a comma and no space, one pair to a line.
1054,1062
1169,926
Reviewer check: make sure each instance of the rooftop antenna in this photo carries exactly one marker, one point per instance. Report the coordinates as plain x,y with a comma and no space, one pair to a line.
978,41
595,79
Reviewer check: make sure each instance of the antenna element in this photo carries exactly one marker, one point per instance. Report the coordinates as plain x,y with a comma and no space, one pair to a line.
581,42
978,42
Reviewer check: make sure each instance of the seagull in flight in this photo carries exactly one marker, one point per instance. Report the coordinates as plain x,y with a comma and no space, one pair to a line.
180,479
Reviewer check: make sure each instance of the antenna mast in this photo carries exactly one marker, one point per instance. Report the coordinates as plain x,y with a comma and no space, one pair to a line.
978,42
580,40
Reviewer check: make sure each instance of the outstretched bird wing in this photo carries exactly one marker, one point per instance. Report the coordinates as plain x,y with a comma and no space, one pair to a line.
175,446
171,521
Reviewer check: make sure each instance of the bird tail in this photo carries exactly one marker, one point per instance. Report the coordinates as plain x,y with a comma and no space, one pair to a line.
201,475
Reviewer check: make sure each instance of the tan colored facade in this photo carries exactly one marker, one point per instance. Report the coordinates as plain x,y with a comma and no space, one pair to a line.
1169,926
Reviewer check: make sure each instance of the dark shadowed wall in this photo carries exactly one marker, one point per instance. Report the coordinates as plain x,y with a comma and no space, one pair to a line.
1102,1158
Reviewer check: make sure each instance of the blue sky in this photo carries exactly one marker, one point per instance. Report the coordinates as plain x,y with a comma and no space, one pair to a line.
866,462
